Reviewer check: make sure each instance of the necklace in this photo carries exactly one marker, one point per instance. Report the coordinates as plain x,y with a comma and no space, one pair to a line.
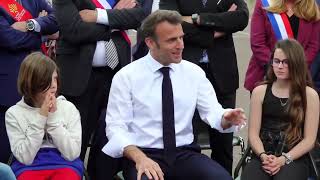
283,103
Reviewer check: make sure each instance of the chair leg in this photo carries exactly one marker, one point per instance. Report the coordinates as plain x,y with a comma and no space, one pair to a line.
238,141
314,165
10,159
86,175
241,162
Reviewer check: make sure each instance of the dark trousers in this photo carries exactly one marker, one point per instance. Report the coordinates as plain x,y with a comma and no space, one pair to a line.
91,103
190,164
4,141
221,143
315,72
297,170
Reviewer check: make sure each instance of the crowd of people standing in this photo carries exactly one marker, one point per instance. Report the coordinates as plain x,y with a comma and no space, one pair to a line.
137,106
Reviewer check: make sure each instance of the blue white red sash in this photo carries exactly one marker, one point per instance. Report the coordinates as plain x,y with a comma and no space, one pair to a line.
109,4
279,22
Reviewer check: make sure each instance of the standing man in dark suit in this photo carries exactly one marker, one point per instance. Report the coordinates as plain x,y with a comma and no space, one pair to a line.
22,22
93,47
208,27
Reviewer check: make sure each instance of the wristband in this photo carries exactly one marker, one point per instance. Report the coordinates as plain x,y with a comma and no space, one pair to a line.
287,157
194,18
261,154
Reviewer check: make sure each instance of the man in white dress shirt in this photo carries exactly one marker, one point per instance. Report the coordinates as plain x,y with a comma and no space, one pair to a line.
136,113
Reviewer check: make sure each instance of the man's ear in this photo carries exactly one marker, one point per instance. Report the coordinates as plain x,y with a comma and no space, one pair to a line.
150,42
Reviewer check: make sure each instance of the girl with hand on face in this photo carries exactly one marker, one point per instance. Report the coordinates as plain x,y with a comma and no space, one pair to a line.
44,130
284,115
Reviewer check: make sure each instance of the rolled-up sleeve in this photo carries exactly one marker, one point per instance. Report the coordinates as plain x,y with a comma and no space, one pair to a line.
119,115
210,110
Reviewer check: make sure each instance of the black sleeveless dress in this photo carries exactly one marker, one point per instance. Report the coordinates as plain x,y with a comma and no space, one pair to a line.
273,125
274,122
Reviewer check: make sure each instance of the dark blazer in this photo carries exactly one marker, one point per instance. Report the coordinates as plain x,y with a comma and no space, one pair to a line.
140,49
15,45
77,44
221,52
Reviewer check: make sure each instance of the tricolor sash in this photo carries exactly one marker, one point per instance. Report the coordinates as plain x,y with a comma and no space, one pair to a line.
279,22
16,10
109,4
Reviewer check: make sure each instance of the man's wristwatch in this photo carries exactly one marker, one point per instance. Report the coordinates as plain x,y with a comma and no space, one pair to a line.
194,18
30,25
287,157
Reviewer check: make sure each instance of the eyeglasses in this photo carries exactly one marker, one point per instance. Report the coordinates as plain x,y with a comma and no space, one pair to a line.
277,62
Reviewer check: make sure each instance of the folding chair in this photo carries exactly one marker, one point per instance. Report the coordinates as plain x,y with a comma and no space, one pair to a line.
202,137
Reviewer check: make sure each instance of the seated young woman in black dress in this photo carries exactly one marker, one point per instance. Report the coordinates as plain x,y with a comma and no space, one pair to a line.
284,115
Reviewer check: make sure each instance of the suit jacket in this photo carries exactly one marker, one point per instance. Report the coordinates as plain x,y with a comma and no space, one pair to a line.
77,44
221,52
15,45
263,40
140,49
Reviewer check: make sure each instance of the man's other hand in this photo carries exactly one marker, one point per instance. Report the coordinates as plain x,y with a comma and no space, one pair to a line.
144,165
125,4
233,7
20,26
88,15
54,36
233,117
150,168
218,34
43,13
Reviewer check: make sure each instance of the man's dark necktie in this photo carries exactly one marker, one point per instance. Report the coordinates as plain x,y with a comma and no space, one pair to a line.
169,135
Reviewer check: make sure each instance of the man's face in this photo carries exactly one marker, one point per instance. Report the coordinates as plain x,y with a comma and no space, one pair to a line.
168,45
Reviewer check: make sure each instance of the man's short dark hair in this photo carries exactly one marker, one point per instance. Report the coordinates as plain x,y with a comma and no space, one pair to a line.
149,25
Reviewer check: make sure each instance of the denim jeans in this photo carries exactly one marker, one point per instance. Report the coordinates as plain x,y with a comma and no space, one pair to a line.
6,172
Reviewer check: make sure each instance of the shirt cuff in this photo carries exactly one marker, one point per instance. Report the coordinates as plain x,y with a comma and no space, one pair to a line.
116,145
40,121
53,120
102,16
37,27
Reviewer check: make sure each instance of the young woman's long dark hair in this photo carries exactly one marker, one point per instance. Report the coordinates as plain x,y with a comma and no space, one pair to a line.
299,79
